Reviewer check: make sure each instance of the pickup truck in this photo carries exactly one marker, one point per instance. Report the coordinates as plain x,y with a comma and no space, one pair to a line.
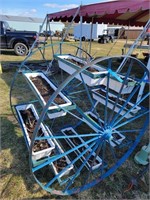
20,41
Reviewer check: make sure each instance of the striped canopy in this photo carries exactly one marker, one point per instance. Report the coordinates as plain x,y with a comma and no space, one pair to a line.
122,12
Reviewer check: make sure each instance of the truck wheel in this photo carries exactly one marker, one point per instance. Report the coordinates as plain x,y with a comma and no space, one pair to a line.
105,41
20,49
100,41
83,38
112,40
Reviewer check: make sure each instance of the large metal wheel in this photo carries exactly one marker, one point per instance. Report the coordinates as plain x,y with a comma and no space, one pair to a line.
98,131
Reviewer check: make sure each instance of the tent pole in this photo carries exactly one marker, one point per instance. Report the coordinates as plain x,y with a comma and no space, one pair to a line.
143,84
133,45
91,37
51,36
127,38
80,44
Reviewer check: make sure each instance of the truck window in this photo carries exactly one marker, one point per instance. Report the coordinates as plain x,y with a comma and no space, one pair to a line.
6,26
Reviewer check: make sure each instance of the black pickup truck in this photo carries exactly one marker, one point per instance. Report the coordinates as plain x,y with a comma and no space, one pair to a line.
20,41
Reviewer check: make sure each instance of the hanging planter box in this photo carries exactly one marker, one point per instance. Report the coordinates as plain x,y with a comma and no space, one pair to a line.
100,96
28,117
117,137
73,142
44,88
61,163
92,120
116,85
92,76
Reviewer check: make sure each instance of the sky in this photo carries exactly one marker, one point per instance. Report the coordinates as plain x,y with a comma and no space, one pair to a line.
39,8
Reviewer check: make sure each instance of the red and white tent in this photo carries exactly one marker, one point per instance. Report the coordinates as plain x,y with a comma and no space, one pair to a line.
123,12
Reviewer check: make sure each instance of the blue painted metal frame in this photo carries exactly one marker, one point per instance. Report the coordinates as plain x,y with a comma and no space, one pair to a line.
97,141
111,170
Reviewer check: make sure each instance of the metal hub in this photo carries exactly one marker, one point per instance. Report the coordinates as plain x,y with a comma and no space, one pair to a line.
108,134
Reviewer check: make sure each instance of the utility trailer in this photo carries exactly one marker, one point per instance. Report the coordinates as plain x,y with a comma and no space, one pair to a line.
85,34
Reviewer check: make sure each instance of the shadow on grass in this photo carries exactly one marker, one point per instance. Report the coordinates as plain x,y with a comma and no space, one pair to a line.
15,158
8,52
15,172
15,165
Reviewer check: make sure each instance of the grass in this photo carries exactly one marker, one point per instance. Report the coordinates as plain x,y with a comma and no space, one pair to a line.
97,50
16,179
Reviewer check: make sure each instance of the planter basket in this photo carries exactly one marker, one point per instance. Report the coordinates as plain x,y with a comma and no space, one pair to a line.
92,120
102,99
72,144
42,153
116,85
93,78
54,110
90,78
60,151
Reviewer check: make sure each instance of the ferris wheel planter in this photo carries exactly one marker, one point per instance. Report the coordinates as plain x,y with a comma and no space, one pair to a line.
27,114
69,63
77,141
99,138
100,96
43,89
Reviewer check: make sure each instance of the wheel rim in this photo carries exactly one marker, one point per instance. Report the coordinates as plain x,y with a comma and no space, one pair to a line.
21,50
109,135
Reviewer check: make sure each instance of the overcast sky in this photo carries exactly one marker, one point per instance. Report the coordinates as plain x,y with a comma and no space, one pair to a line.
39,8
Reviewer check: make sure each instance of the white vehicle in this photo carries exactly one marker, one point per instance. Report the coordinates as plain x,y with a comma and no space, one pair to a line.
85,33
